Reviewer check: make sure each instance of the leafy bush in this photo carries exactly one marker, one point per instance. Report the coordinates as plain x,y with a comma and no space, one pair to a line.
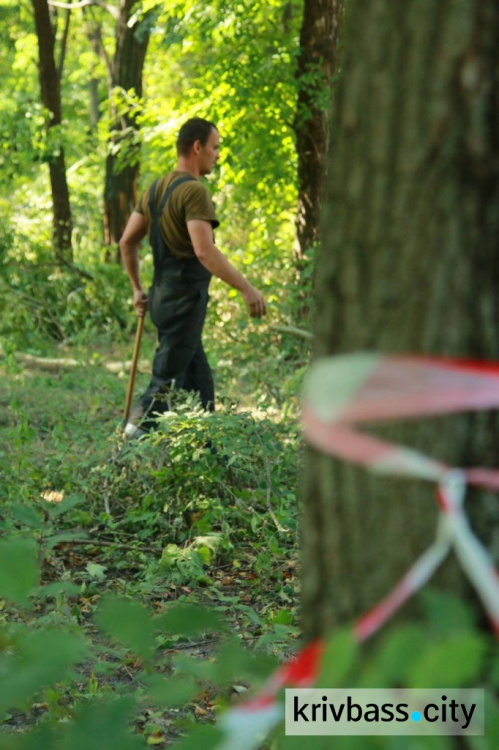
202,473
40,301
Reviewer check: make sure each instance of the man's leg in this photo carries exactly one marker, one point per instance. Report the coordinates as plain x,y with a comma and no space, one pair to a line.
179,316
199,379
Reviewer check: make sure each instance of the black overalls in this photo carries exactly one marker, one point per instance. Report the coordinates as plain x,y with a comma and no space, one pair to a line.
177,304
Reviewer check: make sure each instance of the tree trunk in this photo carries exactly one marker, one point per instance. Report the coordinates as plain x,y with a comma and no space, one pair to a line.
316,63
51,100
120,192
93,38
410,264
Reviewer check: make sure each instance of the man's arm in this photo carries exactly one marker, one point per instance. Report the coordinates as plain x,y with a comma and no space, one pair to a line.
209,255
135,231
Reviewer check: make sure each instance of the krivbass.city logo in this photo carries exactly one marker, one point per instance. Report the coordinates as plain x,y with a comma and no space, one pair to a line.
321,711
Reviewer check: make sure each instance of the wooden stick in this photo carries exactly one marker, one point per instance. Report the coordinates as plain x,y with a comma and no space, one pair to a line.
133,368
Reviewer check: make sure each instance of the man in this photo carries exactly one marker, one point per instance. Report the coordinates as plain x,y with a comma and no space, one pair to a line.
178,214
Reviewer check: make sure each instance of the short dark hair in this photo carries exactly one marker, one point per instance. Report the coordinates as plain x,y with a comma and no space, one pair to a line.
195,129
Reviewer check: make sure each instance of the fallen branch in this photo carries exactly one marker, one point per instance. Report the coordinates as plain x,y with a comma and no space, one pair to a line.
293,331
67,363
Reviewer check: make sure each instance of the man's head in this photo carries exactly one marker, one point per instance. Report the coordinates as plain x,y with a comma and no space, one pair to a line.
199,138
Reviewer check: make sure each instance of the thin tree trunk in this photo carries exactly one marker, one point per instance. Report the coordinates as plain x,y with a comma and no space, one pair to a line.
316,63
120,193
94,38
51,100
410,263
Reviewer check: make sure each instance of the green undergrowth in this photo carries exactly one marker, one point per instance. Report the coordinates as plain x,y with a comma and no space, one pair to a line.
137,676
147,586
201,513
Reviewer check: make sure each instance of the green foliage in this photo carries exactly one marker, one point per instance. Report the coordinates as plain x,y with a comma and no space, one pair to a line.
18,569
147,673
102,526
453,662
35,663
32,661
204,481
338,660
215,70
129,623
39,301
419,655
250,91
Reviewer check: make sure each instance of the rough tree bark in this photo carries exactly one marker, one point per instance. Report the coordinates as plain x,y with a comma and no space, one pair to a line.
50,86
410,263
120,192
317,59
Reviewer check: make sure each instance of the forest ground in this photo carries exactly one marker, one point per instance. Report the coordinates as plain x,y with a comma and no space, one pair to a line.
162,521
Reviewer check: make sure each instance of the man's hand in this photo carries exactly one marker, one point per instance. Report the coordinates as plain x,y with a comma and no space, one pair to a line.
140,302
201,234
135,231
254,302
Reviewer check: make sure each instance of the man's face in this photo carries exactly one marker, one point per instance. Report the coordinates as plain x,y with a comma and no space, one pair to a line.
209,154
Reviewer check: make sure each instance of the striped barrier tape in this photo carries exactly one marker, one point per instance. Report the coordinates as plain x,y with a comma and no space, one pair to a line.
340,393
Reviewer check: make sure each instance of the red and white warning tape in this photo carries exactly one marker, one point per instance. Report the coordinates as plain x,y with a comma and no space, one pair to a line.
340,393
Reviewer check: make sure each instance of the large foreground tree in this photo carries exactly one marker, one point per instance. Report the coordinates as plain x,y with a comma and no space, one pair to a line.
410,263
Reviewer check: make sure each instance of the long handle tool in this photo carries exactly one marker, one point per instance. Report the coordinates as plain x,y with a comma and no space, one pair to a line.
133,369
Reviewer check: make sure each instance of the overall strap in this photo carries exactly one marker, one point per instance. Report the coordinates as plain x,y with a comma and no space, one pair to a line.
155,230
157,242
171,189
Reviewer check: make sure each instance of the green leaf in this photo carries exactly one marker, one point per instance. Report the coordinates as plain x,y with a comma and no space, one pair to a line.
170,555
491,722
283,617
26,515
129,623
96,571
338,659
72,501
395,656
494,671
43,736
189,619
18,569
197,668
205,737
103,725
206,554
58,587
446,613
234,663
454,662
41,659
170,691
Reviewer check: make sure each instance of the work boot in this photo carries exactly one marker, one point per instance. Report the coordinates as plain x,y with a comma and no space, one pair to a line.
134,428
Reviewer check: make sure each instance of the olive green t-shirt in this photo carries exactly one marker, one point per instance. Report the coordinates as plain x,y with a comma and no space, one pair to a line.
190,200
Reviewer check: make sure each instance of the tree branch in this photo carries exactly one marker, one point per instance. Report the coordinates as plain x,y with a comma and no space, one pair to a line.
71,6
64,43
95,37
294,331
85,4
80,271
